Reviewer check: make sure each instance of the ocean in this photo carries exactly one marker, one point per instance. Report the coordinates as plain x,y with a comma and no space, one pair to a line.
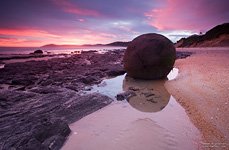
22,54
53,50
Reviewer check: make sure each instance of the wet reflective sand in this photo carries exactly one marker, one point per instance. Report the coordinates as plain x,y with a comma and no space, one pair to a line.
149,96
152,119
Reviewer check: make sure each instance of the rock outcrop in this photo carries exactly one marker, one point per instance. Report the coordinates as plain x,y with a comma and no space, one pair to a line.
38,99
216,37
38,51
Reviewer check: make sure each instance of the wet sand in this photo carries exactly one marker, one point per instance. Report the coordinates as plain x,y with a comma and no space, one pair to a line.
162,125
202,88
120,127
151,119
201,122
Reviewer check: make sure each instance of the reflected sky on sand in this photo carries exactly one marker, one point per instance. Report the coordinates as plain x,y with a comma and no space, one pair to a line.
149,96
151,119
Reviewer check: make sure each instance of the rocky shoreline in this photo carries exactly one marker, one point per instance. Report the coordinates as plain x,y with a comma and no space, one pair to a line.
38,99
25,56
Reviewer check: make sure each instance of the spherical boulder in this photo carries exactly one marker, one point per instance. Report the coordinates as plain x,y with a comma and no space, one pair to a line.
149,56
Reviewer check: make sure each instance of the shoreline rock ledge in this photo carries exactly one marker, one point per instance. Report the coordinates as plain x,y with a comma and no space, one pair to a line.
149,56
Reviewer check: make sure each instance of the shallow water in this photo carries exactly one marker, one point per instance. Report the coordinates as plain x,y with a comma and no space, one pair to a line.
135,124
33,59
61,53
55,50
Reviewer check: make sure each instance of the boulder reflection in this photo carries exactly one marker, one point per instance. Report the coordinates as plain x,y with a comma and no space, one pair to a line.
149,95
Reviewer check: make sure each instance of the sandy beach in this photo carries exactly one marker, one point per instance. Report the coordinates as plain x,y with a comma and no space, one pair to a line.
150,119
202,88
198,121
114,75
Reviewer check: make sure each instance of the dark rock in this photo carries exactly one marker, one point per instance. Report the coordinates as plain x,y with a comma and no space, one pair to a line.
54,142
64,71
148,94
90,51
88,88
33,144
133,89
125,95
33,120
27,118
48,129
88,79
182,55
46,136
24,81
10,98
46,90
149,56
82,106
23,141
115,70
73,87
38,51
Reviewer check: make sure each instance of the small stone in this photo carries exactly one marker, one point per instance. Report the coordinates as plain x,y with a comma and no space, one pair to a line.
133,89
148,94
125,95
38,51
54,143
152,100
87,88
103,84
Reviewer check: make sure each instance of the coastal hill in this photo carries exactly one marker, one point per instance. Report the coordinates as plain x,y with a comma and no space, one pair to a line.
215,37
118,43
61,46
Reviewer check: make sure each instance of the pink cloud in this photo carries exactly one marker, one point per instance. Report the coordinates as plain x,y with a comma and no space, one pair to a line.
81,20
69,7
26,32
188,15
16,42
36,38
88,37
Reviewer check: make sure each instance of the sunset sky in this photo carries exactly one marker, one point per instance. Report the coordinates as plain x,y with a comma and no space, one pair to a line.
40,22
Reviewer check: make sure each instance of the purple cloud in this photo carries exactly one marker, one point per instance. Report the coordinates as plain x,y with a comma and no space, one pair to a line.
80,21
